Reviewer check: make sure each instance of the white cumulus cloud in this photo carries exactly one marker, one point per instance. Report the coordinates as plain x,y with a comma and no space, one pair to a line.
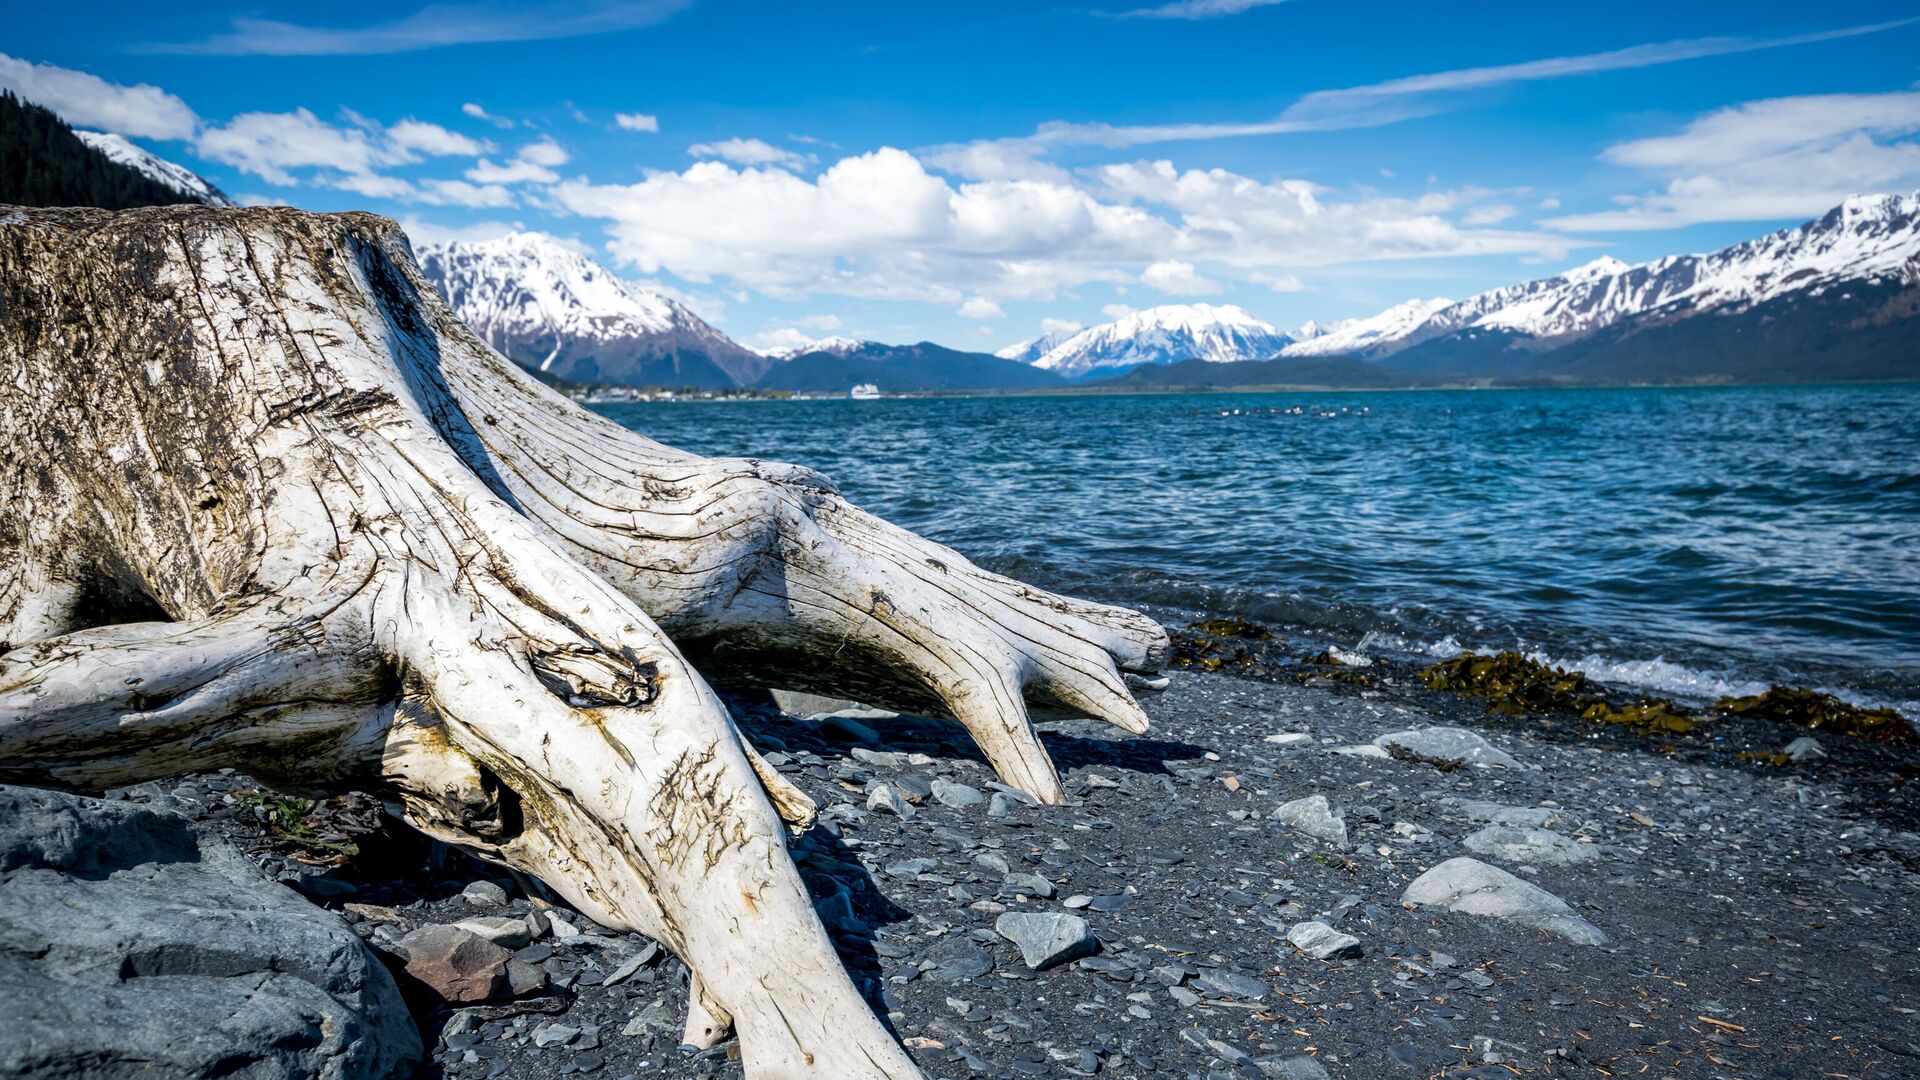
635,121
979,307
89,101
1176,278
883,225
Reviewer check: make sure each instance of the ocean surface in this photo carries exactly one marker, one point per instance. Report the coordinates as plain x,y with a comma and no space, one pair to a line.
1690,541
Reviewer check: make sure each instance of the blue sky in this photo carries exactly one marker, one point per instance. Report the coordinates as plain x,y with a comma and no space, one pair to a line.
975,173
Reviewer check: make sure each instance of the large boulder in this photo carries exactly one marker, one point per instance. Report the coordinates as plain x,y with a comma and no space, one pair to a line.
130,946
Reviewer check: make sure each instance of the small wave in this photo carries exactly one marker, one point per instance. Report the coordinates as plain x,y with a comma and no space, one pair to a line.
1656,674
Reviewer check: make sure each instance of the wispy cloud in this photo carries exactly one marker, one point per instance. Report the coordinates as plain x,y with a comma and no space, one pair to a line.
750,152
1197,9
1415,96
1766,160
92,102
432,27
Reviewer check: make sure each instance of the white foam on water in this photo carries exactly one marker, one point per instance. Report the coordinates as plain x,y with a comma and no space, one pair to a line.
1658,675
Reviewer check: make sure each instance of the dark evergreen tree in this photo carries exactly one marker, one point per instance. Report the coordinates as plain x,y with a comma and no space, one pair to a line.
43,163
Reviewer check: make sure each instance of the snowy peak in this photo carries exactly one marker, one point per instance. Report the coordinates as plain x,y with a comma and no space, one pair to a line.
1352,337
1864,238
141,160
836,345
548,307
1026,352
1166,335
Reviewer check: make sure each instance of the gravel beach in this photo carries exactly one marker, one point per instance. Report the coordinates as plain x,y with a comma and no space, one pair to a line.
1264,885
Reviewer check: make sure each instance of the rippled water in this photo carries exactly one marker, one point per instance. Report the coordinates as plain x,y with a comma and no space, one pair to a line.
1696,540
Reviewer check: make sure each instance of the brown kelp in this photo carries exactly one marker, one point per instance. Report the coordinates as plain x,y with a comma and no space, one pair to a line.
1514,685
1800,707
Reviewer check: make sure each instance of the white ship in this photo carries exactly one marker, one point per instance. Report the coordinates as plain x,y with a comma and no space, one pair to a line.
866,391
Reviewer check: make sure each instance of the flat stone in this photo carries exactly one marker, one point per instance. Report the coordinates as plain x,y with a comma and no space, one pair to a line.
550,1035
1292,1067
1538,847
1323,942
459,965
524,979
1452,743
1030,884
508,933
1519,817
1231,984
1363,750
1289,738
1474,888
957,796
1314,816
1047,939
885,759
959,961
914,789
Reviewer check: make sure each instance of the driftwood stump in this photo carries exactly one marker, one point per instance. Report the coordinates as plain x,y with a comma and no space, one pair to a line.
265,503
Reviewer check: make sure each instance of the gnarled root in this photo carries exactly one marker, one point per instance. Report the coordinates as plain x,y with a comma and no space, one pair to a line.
389,556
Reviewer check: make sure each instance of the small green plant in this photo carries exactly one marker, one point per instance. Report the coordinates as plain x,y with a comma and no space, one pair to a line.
293,820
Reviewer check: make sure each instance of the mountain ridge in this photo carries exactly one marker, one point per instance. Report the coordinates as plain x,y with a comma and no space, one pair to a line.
550,308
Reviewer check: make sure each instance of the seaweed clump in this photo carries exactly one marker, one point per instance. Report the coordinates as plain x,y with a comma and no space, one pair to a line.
302,825
1232,628
1514,685
1206,653
1212,649
1799,707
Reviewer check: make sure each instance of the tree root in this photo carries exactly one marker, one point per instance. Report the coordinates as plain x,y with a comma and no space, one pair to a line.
391,557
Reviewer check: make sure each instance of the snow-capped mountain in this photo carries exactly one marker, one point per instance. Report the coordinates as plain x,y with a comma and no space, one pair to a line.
1026,352
1865,238
176,177
1355,337
837,345
552,309
1165,335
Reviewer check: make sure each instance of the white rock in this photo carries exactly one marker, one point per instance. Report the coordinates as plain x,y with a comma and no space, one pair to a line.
508,933
1289,738
884,800
1541,847
1519,817
1046,939
1474,888
1364,750
1804,748
1314,816
1450,742
1322,942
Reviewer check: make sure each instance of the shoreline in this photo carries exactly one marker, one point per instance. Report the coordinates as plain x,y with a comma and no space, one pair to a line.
692,397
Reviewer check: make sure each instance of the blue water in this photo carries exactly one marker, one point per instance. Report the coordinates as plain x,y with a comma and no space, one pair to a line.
1695,541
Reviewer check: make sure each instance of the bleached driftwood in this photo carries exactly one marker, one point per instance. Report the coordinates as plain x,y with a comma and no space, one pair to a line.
267,504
